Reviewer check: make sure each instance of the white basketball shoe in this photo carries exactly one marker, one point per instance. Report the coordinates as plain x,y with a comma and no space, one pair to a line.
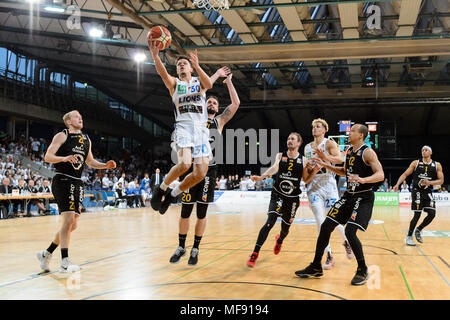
44,258
68,267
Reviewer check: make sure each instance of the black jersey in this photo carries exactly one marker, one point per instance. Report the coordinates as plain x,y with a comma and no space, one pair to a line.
354,164
76,144
427,171
212,124
289,175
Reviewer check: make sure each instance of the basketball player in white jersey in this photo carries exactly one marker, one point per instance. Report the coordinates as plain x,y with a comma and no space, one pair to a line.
191,136
322,190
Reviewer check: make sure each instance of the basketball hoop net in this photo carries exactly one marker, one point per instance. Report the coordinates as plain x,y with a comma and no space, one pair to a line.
212,4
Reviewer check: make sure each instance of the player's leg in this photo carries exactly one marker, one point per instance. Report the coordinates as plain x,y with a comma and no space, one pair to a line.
200,168
338,214
200,227
289,210
431,214
183,165
361,214
318,205
183,225
274,211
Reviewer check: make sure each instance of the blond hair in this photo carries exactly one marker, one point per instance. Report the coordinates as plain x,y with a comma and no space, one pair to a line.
321,121
67,116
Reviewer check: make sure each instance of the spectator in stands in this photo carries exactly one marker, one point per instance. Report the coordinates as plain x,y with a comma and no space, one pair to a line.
144,189
230,184
385,185
21,189
222,183
105,181
259,185
380,188
35,144
236,182
444,190
31,188
243,185
132,195
120,193
157,178
97,184
250,184
404,187
268,183
5,188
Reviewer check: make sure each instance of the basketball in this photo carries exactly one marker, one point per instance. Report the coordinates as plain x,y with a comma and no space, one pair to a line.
161,35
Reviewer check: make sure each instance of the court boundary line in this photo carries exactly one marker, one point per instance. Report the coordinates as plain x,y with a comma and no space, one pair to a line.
406,282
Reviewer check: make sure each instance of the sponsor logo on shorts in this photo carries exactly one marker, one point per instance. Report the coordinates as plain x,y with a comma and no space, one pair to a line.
205,197
354,215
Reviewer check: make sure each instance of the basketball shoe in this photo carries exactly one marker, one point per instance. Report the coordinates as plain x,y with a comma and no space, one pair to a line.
44,258
252,261
277,248
175,258
68,267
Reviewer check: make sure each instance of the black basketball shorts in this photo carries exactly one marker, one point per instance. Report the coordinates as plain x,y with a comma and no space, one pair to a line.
422,200
203,191
285,207
353,208
68,193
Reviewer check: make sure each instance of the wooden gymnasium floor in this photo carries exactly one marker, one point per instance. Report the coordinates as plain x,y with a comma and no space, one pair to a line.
125,254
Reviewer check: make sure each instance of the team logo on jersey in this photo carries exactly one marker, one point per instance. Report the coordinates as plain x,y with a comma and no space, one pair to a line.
284,159
359,153
181,89
354,215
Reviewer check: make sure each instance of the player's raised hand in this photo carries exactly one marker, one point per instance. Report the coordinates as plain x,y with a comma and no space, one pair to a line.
223,72
321,154
154,49
256,178
194,59
228,78
395,188
111,164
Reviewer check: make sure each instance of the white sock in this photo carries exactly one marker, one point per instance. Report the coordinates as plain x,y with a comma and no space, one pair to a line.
163,186
175,192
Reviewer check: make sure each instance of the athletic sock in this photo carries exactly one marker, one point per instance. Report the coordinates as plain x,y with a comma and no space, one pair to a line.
182,240
197,240
163,186
361,264
52,247
175,192
64,253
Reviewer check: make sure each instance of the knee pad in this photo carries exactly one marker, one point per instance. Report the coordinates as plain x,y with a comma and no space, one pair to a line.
201,210
186,210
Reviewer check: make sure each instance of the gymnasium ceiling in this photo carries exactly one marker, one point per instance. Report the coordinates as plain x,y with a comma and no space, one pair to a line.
306,58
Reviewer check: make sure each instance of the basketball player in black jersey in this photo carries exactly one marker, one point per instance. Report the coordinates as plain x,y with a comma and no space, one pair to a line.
203,192
69,151
285,197
426,173
362,170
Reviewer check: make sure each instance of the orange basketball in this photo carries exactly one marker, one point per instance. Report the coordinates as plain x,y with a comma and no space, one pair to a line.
161,35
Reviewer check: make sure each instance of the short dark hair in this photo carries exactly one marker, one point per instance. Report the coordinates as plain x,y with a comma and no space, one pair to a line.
183,57
214,97
364,130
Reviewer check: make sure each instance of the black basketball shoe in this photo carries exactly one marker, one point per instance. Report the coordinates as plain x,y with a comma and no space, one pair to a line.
175,258
193,259
418,235
157,195
360,277
165,204
310,271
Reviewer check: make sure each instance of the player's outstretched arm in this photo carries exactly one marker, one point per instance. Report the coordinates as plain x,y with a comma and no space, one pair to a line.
50,155
91,162
269,172
229,112
338,170
205,80
333,150
405,174
222,72
169,81
308,173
